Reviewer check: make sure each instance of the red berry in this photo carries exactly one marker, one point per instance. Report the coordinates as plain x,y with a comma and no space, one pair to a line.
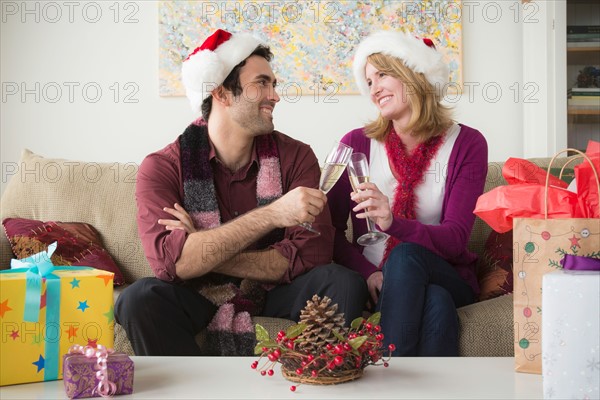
277,353
293,388
329,346
272,357
299,371
338,349
379,337
347,347
386,364
331,365
270,372
314,373
265,349
392,347
263,372
338,360
310,357
290,345
369,326
377,328
281,333
254,365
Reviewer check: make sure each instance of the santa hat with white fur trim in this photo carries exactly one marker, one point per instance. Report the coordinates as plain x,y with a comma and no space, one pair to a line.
417,54
208,65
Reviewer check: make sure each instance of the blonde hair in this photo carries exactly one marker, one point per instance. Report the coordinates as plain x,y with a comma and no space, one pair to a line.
429,117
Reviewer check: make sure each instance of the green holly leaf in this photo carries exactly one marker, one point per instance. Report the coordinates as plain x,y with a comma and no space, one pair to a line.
357,342
375,318
338,336
356,323
261,333
269,343
295,331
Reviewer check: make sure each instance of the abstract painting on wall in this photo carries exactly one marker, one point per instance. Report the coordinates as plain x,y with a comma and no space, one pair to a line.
313,41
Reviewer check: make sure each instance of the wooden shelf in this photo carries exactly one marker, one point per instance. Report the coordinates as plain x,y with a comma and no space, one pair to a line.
582,110
583,48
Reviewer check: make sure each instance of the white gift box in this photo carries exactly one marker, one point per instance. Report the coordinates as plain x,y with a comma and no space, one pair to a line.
571,334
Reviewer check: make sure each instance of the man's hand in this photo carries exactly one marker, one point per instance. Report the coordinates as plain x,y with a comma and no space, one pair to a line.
299,205
183,221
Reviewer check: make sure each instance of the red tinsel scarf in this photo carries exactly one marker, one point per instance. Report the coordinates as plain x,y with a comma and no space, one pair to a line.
409,170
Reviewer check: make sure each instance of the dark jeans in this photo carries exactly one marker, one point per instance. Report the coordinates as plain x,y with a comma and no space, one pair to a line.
418,302
162,319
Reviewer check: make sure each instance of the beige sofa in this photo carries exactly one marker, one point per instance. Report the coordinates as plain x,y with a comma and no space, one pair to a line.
102,194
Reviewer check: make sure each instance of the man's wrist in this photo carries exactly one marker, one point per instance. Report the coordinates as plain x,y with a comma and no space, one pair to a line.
269,215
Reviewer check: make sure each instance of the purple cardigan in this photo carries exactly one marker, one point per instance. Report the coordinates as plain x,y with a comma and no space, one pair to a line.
466,174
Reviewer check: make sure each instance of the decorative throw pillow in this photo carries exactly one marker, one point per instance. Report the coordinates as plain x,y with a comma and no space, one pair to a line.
79,244
495,273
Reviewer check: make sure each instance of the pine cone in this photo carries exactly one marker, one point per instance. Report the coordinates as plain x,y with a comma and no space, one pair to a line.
321,320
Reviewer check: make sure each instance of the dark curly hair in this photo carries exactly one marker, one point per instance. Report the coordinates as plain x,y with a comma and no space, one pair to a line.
232,81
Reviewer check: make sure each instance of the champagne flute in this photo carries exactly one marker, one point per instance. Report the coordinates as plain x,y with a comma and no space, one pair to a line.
358,171
334,166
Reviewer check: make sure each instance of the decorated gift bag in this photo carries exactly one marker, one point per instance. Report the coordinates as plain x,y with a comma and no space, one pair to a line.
539,244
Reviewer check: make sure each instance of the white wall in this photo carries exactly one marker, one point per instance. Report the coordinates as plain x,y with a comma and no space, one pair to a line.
72,53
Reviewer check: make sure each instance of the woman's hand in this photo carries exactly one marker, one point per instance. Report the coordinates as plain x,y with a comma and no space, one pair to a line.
374,284
183,221
373,204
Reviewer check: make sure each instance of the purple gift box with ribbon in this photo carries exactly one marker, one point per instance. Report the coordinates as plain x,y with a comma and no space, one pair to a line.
95,372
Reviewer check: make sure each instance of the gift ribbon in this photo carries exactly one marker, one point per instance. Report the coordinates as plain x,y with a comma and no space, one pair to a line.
37,268
105,387
580,263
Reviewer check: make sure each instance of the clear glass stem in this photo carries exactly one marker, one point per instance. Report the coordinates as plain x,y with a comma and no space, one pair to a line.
369,223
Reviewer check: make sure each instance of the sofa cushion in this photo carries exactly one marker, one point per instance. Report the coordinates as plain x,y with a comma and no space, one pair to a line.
99,194
486,328
79,244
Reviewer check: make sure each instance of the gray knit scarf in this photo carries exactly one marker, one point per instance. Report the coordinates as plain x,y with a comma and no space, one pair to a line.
231,331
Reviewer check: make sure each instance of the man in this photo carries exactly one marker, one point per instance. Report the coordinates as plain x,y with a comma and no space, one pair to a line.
244,188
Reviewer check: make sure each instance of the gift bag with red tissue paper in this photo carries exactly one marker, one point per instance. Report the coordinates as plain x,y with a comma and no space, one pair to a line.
587,191
538,246
524,197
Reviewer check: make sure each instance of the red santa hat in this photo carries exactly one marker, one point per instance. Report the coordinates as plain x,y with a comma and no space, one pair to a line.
417,54
208,65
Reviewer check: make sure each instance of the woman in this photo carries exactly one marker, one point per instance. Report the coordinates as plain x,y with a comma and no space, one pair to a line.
426,175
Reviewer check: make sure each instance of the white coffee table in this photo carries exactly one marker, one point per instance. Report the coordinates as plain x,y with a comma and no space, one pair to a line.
232,378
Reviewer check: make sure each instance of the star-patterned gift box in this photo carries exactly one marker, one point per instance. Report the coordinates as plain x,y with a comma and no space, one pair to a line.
571,334
44,310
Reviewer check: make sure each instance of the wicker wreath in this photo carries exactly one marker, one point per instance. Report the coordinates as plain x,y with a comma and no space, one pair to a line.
320,350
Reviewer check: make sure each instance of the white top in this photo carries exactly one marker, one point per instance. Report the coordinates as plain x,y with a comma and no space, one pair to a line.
429,194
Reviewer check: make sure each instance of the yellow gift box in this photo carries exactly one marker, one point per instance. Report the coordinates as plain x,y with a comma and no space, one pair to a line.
44,310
